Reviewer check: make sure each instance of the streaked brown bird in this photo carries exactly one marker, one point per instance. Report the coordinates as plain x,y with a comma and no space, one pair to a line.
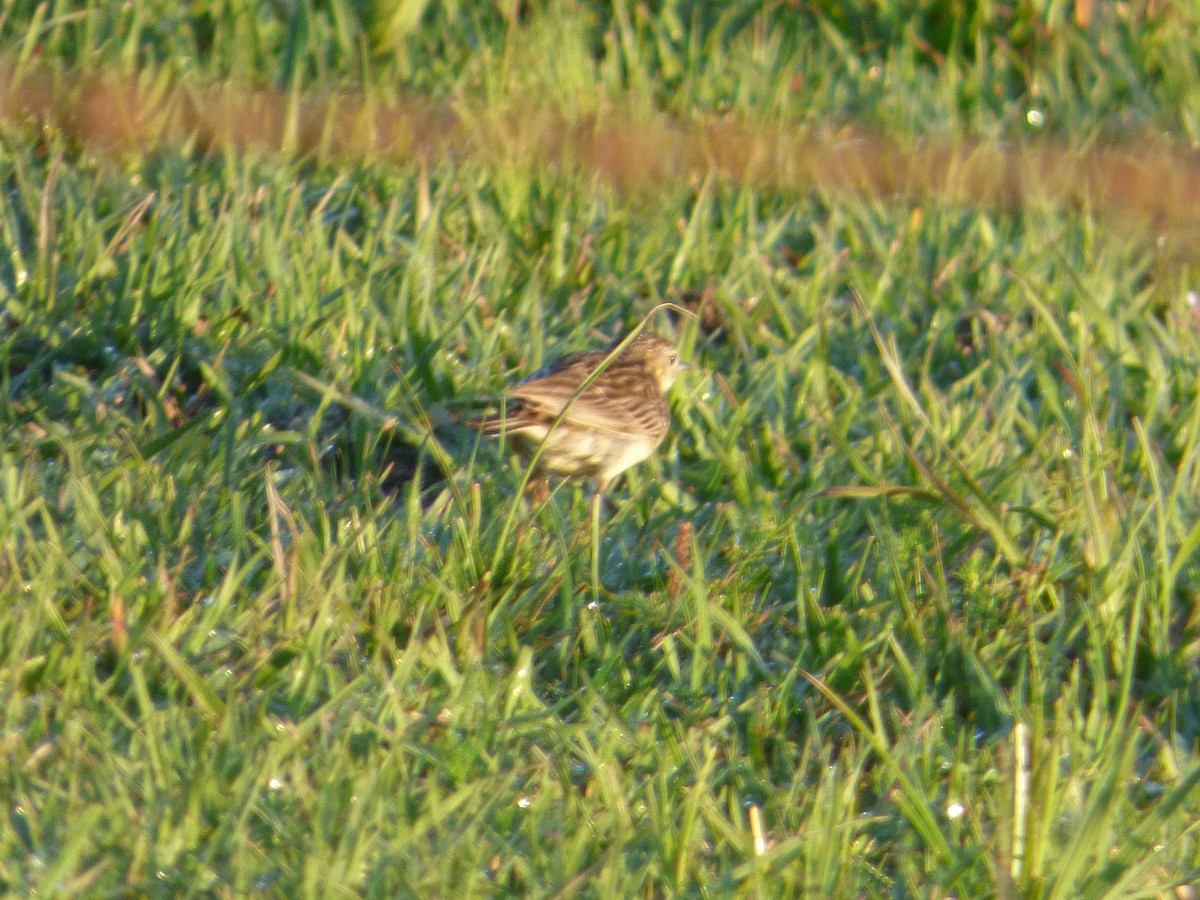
615,422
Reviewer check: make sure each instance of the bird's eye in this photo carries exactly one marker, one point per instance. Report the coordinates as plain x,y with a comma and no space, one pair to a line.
672,359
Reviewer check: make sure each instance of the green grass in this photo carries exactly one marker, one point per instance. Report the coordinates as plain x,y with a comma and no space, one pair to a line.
933,485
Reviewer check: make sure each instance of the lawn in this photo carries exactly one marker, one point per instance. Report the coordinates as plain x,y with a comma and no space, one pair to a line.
906,605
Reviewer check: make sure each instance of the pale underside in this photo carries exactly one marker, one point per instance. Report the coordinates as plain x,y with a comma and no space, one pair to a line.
585,454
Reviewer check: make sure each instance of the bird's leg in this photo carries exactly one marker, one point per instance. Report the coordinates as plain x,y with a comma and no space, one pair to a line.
538,490
597,502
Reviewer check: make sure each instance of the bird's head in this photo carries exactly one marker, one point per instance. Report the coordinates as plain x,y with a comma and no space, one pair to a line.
659,357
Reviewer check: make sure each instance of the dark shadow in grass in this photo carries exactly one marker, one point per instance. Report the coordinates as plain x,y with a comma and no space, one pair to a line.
390,463
218,372
710,318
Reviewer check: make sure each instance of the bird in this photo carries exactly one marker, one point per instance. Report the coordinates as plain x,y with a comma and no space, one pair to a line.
617,421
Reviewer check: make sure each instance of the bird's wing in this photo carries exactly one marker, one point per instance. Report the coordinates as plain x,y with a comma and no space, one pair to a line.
610,405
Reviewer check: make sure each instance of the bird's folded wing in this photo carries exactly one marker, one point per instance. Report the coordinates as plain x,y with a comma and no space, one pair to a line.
597,408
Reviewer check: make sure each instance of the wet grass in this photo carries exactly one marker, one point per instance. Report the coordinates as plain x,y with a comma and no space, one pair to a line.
906,605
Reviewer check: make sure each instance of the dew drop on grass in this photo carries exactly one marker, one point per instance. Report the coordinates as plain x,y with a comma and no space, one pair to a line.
954,810
1035,117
